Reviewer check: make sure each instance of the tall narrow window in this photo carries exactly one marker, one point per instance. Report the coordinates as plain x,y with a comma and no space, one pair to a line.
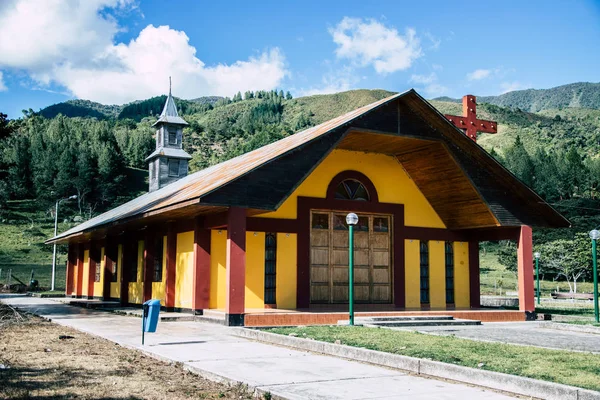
172,137
174,168
449,273
98,266
424,273
270,268
158,259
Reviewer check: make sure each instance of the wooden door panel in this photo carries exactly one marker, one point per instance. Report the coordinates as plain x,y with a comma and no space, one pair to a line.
319,293
381,258
361,257
340,257
319,274
380,241
339,275
361,275
381,275
381,294
340,293
361,240
319,256
362,293
340,239
319,238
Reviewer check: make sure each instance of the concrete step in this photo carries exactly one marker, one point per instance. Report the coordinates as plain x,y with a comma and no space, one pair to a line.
407,318
210,319
441,322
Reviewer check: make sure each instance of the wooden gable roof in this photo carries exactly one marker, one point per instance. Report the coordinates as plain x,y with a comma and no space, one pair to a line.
262,179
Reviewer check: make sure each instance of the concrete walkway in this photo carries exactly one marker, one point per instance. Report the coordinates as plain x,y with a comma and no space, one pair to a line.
213,352
522,333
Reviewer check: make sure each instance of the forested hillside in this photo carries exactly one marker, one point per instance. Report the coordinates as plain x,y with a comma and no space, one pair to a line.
574,95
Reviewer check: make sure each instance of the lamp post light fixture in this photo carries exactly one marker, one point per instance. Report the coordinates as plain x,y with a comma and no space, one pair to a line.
537,274
55,231
351,220
595,235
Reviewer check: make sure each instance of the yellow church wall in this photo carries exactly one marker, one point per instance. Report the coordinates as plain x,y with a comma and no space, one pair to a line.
255,270
115,287
218,259
86,273
159,288
412,269
98,286
136,289
437,274
286,270
392,183
461,275
184,267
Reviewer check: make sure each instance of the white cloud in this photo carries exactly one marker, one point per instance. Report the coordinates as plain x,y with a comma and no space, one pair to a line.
479,74
2,85
511,86
72,44
431,87
369,42
334,82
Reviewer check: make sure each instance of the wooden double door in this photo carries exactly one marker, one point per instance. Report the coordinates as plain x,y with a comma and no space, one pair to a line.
329,258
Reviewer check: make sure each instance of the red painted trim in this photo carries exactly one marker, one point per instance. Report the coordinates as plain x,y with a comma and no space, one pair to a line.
171,266
474,284
525,269
236,261
148,264
357,176
185,225
215,221
306,204
201,278
254,224
71,265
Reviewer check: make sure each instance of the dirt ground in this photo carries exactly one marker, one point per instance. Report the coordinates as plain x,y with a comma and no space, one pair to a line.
36,363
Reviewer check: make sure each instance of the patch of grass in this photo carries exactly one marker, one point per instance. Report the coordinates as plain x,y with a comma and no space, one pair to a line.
589,323
570,368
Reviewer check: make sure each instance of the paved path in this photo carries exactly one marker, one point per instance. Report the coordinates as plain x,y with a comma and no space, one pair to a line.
292,374
524,333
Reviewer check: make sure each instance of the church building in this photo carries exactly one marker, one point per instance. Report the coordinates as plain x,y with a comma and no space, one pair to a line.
262,238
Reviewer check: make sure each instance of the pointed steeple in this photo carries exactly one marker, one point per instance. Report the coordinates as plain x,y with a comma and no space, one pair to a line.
169,161
169,113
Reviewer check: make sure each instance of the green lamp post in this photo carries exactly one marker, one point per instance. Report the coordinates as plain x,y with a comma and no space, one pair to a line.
595,235
537,274
351,220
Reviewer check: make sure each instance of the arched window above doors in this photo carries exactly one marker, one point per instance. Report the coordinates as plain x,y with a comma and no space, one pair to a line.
352,185
351,189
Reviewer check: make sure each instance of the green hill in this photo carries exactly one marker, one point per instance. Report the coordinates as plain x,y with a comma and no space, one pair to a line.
573,95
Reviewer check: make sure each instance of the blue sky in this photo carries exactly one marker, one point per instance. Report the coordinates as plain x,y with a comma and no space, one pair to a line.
116,51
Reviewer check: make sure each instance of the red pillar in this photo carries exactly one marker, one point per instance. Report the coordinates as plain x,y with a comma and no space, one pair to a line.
148,272
235,266
71,265
79,289
171,267
201,297
109,258
525,269
474,283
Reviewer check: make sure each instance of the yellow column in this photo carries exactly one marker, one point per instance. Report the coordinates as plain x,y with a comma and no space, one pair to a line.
412,274
218,259
184,265
286,278
99,286
461,275
86,272
159,288
255,270
136,288
437,274
115,287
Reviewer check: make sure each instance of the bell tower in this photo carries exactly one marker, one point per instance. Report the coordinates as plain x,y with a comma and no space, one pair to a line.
168,162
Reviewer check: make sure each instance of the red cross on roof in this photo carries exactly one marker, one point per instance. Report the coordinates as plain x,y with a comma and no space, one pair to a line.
469,122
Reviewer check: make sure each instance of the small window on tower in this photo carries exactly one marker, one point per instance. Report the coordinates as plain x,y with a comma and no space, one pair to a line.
172,137
174,168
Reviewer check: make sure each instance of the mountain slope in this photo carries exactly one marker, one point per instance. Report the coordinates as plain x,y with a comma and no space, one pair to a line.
573,95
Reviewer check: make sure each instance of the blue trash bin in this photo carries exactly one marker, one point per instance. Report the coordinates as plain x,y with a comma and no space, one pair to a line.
151,311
